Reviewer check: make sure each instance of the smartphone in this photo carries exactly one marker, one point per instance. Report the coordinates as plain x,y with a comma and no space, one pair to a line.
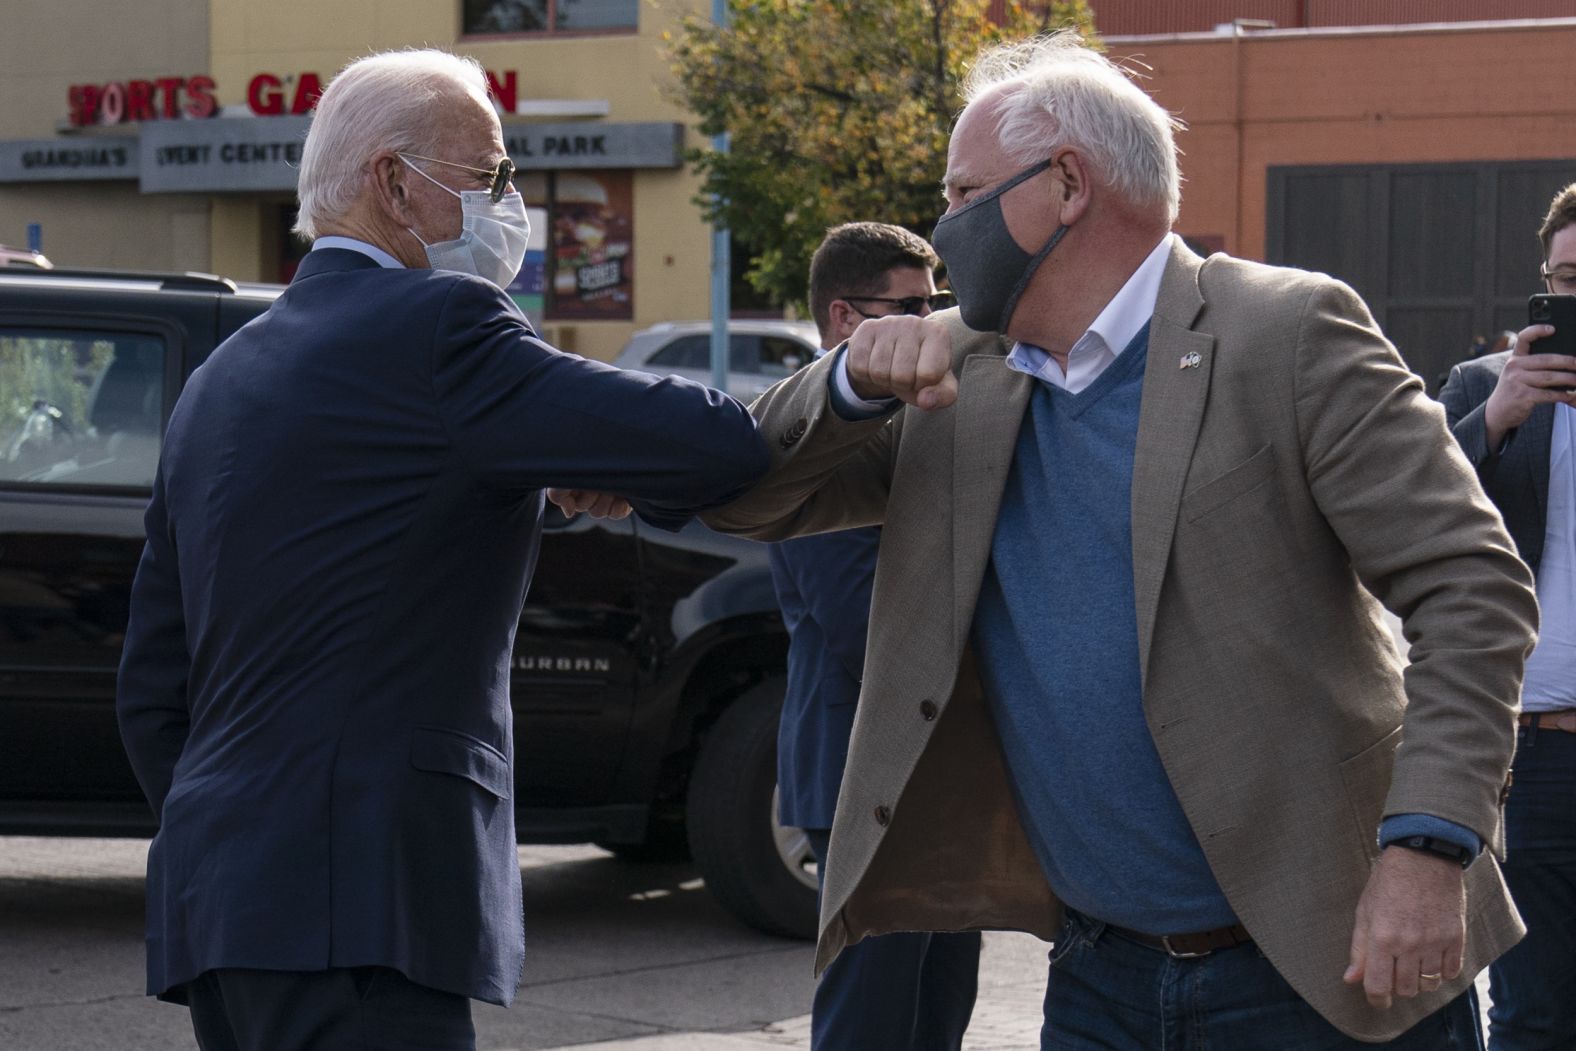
1560,311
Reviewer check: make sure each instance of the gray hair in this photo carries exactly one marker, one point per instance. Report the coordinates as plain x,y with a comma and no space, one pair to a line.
380,102
1057,91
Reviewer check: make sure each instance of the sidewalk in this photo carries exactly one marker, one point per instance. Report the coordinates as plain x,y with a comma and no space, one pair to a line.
1006,1015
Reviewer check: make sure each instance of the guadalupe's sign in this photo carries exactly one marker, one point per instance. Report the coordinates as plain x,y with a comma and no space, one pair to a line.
68,160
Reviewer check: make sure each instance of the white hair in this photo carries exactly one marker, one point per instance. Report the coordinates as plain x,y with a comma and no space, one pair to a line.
380,102
1057,91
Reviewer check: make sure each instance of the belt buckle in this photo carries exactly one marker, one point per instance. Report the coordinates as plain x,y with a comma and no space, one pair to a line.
1177,954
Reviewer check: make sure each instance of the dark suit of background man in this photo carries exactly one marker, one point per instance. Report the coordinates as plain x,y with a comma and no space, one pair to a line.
899,991
1516,427
315,688
1127,684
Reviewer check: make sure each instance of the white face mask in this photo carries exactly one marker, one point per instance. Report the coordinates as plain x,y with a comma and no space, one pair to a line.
493,235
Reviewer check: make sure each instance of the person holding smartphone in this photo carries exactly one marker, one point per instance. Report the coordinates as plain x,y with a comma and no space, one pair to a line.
1512,413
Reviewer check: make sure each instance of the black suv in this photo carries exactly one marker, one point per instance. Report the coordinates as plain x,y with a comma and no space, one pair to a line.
648,668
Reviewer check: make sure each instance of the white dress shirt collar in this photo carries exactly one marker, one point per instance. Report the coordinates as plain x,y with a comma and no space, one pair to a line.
373,252
1110,332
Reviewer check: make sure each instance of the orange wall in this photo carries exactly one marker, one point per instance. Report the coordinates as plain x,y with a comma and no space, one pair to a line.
1257,100
1127,17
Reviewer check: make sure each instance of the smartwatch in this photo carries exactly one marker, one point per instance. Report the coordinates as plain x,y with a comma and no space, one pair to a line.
1433,845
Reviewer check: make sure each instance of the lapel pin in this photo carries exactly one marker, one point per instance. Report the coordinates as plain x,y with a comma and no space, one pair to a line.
1191,360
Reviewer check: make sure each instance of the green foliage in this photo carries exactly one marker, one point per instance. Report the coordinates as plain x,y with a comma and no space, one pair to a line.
45,369
838,111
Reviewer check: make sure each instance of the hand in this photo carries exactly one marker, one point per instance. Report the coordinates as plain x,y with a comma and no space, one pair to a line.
1411,921
903,357
1527,382
598,505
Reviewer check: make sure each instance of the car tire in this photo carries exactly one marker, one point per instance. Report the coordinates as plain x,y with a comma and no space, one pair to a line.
759,871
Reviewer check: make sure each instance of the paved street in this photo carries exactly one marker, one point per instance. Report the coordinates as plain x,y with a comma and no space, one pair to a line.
618,957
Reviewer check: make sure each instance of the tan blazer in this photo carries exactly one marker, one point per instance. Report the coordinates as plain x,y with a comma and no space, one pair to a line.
1294,461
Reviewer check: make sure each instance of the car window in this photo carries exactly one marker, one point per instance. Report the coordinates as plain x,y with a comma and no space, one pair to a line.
781,356
80,407
686,352
694,352
744,353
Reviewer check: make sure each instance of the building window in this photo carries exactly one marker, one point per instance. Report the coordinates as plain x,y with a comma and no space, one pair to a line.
579,263
489,17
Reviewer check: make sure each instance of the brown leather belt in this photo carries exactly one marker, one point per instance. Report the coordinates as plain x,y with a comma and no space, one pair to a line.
1188,946
1564,719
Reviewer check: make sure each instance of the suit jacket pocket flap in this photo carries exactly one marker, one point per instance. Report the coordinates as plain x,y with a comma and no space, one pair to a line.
1243,478
1367,778
443,751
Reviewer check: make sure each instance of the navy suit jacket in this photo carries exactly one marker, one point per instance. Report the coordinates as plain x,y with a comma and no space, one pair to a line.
823,586
315,687
1517,478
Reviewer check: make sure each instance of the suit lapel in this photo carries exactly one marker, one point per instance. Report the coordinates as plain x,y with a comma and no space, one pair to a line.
989,411
1176,386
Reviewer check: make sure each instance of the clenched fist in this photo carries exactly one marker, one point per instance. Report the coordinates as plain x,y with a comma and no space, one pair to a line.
903,357
598,505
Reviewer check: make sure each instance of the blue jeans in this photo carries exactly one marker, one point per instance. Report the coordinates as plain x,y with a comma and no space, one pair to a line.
1111,993
896,992
1533,986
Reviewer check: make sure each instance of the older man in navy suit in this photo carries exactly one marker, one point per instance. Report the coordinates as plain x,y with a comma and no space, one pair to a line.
902,992
315,690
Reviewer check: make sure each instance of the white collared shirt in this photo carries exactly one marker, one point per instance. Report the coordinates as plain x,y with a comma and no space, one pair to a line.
1110,332
371,251
1551,669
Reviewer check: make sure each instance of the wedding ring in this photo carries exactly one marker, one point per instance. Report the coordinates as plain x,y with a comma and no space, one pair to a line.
1430,977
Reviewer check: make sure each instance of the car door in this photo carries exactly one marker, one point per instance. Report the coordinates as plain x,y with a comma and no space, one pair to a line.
577,655
84,396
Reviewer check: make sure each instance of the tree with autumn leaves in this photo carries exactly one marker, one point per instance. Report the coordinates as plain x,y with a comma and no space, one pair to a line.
838,111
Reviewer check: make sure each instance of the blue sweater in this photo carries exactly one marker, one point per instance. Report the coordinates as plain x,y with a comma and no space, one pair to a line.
1057,631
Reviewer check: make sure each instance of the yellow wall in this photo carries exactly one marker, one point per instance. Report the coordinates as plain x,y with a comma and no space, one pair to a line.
671,245
45,47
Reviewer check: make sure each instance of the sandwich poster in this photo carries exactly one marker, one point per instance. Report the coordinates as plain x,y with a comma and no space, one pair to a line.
592,234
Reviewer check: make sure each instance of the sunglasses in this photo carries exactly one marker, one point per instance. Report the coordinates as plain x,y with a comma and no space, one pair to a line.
910,305
502,175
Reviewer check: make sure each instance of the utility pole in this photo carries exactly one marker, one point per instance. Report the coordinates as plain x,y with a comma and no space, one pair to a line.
721,263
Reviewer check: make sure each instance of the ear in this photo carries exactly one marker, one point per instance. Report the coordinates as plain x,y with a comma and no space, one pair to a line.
391,187
1068,169
844,319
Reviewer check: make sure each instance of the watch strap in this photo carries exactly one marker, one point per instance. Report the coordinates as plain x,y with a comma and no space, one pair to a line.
1434,845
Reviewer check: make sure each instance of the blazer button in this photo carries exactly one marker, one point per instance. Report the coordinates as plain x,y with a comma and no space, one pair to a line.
883,815
927,710
795,431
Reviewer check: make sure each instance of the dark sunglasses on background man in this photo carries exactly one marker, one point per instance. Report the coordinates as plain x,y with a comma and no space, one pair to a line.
911,305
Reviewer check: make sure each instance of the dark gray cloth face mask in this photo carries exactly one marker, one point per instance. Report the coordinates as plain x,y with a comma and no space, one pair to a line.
986,269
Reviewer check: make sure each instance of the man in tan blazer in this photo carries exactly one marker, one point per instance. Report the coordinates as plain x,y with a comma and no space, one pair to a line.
1237,704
